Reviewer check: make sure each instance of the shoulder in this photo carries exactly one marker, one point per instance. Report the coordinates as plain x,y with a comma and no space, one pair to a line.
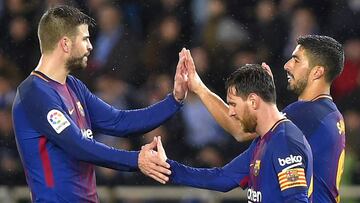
289,134
36,91
74,80
32,86
312,109
309,115
76,84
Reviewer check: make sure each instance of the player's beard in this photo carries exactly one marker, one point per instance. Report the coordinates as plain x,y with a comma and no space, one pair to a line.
298,86
75,63
248,122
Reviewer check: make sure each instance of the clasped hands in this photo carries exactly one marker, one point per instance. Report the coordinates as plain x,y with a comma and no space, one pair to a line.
153,163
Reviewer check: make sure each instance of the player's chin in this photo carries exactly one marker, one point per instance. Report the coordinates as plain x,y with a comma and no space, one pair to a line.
290,86
84,64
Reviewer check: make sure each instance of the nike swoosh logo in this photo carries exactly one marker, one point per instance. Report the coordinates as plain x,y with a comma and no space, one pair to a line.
71,111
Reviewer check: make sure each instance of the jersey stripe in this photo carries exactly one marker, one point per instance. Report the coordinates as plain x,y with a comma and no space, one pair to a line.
244,182
294,185
44,155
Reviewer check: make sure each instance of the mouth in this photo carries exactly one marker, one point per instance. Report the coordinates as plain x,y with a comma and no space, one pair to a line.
85,57
289,76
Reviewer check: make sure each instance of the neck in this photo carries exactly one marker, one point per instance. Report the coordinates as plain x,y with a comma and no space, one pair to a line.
315,89
53,67
268,116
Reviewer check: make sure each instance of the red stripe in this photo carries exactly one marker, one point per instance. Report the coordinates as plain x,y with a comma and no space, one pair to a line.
44,155
244,182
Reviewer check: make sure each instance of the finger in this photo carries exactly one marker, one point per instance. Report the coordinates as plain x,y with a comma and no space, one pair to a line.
157,161
190,57
190,61
264,65
179,66
152,166
181,61
182,52
159,175
157,179
159,169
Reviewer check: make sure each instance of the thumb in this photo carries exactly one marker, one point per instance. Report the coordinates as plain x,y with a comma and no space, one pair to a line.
160,147
150,145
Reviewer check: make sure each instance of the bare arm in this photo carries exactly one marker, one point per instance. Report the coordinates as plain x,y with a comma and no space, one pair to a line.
215,105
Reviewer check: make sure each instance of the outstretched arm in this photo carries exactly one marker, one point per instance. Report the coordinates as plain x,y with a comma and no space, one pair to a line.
215,105
48,117
108,120
222,179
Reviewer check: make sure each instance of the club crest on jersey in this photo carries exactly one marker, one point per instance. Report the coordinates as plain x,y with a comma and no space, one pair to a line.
57,120
81,109
290,178
292,175
257,167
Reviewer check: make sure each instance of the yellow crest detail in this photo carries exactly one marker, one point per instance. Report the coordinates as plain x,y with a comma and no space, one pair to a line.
257,167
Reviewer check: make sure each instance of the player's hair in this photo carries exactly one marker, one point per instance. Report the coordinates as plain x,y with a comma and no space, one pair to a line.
324,51
252,78
58,22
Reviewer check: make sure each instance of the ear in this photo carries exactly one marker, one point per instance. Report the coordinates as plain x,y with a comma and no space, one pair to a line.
318,72
65,44
253,101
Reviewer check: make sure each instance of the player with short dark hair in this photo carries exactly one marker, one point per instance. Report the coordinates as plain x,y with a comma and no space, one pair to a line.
315,63
55,115
277,167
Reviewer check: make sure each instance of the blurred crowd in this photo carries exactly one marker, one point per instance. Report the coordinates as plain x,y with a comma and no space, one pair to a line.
136,45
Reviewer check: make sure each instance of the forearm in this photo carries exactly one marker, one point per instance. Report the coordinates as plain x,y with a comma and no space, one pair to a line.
219,110
212,178
122,122
147,119
91,151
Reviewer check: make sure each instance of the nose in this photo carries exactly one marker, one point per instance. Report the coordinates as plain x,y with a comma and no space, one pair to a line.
231,112
287,65
90,47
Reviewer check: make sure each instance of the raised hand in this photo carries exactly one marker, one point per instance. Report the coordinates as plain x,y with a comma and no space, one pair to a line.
151,165
181,78
267,68
194,81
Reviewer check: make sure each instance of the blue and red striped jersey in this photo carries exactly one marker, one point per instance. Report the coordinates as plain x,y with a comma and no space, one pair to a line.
54,125
275,168
323,125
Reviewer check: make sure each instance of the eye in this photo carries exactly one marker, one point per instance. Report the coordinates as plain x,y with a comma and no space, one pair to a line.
232,104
